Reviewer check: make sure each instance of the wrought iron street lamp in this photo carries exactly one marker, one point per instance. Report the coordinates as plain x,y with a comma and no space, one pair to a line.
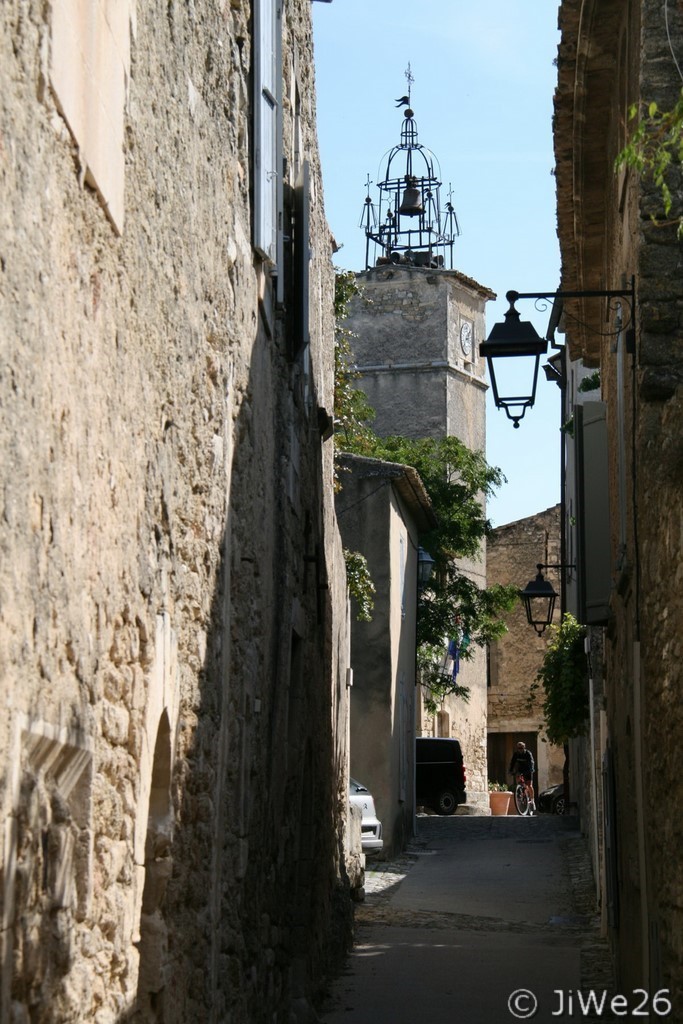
513,339
539,597
518,339
425,564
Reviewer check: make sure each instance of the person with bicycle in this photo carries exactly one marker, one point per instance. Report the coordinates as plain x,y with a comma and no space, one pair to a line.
522,763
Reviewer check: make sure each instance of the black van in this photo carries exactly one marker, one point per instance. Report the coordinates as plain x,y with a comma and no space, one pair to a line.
439,774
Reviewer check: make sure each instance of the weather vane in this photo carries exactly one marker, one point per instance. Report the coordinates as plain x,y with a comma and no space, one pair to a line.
405,100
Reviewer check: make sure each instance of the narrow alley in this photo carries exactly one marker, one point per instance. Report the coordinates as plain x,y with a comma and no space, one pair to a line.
483,919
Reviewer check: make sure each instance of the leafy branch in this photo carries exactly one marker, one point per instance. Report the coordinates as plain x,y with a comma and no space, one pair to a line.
590,383
352,411
359,582
437,683
654,148
564,680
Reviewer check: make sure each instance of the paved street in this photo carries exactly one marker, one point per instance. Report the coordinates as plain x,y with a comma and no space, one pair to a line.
476,909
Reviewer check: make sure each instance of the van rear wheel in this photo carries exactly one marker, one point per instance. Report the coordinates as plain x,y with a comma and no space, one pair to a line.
446,802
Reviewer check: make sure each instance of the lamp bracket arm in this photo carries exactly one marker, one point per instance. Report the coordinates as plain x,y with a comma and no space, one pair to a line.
629,294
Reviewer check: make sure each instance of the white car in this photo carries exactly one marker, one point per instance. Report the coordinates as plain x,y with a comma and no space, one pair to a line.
371,826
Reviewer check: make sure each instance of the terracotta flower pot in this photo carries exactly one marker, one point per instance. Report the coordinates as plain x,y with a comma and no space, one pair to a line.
500,802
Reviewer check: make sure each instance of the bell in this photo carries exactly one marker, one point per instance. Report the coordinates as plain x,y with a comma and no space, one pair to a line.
411,204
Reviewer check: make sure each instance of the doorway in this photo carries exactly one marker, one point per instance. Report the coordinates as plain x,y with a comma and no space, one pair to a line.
500,748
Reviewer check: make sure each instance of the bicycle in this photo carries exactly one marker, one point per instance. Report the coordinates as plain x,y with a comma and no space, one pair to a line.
522,798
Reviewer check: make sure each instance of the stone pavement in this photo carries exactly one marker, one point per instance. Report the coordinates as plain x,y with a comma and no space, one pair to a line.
474,910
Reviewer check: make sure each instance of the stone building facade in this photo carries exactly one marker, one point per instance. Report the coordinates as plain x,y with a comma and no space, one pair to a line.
382,509
173,609
512,553
416,349
613,55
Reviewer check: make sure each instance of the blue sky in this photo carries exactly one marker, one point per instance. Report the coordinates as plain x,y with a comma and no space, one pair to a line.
483,89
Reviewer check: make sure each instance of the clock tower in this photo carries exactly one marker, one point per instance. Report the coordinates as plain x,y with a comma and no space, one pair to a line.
417,324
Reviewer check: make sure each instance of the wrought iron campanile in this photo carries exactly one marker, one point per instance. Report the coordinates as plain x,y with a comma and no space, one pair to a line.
409,225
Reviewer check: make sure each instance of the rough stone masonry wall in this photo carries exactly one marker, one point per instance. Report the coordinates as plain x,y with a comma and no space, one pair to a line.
631,47
659,523
162,486
513,551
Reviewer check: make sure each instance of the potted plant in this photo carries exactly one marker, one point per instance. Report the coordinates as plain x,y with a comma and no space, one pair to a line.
499,798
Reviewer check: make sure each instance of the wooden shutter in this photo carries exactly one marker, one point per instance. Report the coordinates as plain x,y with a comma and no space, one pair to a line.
594,548
301,264
267,126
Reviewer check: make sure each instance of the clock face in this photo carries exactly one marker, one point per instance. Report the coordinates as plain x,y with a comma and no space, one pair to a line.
466,338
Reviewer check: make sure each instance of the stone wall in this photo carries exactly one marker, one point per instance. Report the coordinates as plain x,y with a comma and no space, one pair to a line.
513,552
613,55
173,634
417,379
382,507
658,526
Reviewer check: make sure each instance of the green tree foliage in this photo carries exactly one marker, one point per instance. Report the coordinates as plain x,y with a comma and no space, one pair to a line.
564,680
352,413
359,582
590,383
655,149
437,685
456,480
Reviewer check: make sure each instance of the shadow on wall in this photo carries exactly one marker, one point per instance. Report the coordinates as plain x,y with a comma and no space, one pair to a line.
245,903
242,912
153,942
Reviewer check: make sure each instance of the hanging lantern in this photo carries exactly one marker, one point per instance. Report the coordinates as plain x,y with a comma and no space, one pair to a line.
539,599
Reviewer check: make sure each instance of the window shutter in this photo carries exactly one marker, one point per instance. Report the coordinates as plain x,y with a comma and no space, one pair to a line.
301,261
267,117
594,548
